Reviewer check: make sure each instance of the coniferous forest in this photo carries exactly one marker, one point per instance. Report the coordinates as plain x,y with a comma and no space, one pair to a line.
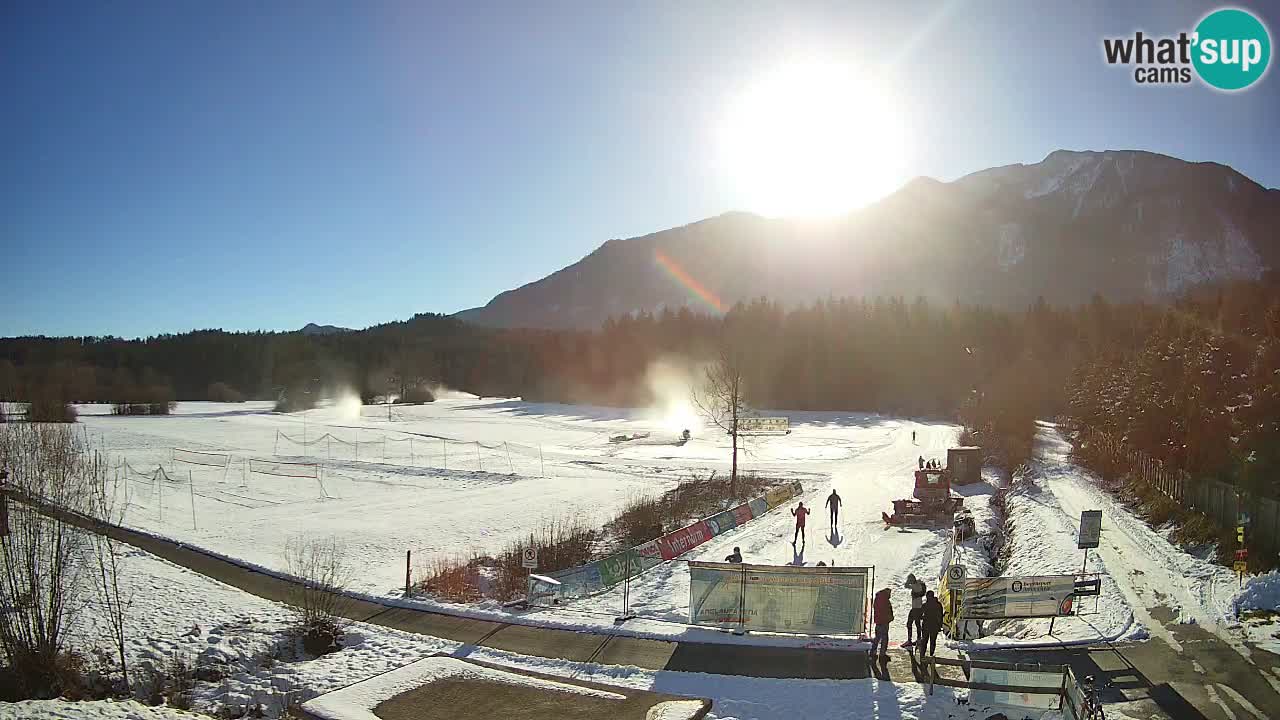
1195,384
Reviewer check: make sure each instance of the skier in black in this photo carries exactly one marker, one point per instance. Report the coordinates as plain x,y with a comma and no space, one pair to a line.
913,437
736,557
833,502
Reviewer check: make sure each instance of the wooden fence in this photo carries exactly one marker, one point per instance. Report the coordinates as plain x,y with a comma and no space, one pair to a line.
1222,503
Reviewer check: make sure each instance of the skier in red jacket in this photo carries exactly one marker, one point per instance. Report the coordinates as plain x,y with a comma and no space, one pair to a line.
800,511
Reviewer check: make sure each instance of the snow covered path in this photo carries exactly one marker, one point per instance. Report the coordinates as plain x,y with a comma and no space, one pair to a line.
880,468
1153,573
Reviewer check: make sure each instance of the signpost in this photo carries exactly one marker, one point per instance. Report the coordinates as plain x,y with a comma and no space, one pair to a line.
1090,535
1241,565
529,558
763,425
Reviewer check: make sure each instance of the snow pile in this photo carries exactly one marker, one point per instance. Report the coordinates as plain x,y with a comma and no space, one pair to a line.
1257,605
1261,592
356,702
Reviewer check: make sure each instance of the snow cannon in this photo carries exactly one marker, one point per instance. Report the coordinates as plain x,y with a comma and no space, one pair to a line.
931,502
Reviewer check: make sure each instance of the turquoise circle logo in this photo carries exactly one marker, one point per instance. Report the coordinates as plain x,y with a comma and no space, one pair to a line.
1232,49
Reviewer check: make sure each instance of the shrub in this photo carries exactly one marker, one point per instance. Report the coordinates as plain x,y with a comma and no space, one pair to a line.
223,392
318,601
48,405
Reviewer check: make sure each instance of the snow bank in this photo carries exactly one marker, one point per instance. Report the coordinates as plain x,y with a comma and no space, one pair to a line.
96,710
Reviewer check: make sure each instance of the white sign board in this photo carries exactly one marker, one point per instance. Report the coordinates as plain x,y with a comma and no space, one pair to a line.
781,598
529,558
1090,529
1008,597
764,425
956,574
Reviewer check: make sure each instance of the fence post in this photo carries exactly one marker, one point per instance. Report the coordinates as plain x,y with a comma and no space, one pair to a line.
510,465
542,463
407,555
479,460
192,487
445,443
411,460
328,446
159,493
276,449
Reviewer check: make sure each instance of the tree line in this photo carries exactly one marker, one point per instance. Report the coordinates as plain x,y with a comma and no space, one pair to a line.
1193,383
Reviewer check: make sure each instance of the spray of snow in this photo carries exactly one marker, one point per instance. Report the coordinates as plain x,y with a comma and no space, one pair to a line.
443,392
670,382
347,404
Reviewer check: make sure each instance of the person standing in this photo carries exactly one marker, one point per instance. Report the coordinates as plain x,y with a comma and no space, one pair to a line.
800,511
917,609
932,624
881,616
921,462
913,437
833,503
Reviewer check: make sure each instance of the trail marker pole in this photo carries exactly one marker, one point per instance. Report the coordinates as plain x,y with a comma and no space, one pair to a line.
407,555
328,446
541,463
276,449
479,460
159,493
357,443
191,487
226,468
411,461
384,447
445,443
511,466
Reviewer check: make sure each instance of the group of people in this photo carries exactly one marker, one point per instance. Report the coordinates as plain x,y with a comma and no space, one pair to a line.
930,464
801,512
924,622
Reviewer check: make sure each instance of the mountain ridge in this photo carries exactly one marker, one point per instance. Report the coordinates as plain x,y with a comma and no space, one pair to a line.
1126,224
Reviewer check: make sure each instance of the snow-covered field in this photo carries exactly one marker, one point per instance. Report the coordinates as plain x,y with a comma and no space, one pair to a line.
540,462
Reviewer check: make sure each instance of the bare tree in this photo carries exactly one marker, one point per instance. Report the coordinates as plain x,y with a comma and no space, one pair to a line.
318,600
721,397
114,602
42,585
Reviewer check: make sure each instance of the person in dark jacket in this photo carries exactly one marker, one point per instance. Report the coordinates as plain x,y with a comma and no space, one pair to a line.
736,557
932,624
881,616
833,503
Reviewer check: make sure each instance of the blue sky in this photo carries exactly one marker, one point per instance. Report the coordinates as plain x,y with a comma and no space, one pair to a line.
170,165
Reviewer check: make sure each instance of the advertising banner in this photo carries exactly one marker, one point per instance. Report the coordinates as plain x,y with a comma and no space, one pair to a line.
715,594
782,598
675,544
1010,597
777,496
723,522
603,574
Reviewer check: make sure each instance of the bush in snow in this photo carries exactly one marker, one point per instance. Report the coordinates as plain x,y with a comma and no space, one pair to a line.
318,601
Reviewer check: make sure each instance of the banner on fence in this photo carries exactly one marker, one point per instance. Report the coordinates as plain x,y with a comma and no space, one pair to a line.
1012,597
603,574
1051,681
198,457
284,469
779,598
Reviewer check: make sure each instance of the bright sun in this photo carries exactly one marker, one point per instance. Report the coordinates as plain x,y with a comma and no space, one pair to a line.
812,139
